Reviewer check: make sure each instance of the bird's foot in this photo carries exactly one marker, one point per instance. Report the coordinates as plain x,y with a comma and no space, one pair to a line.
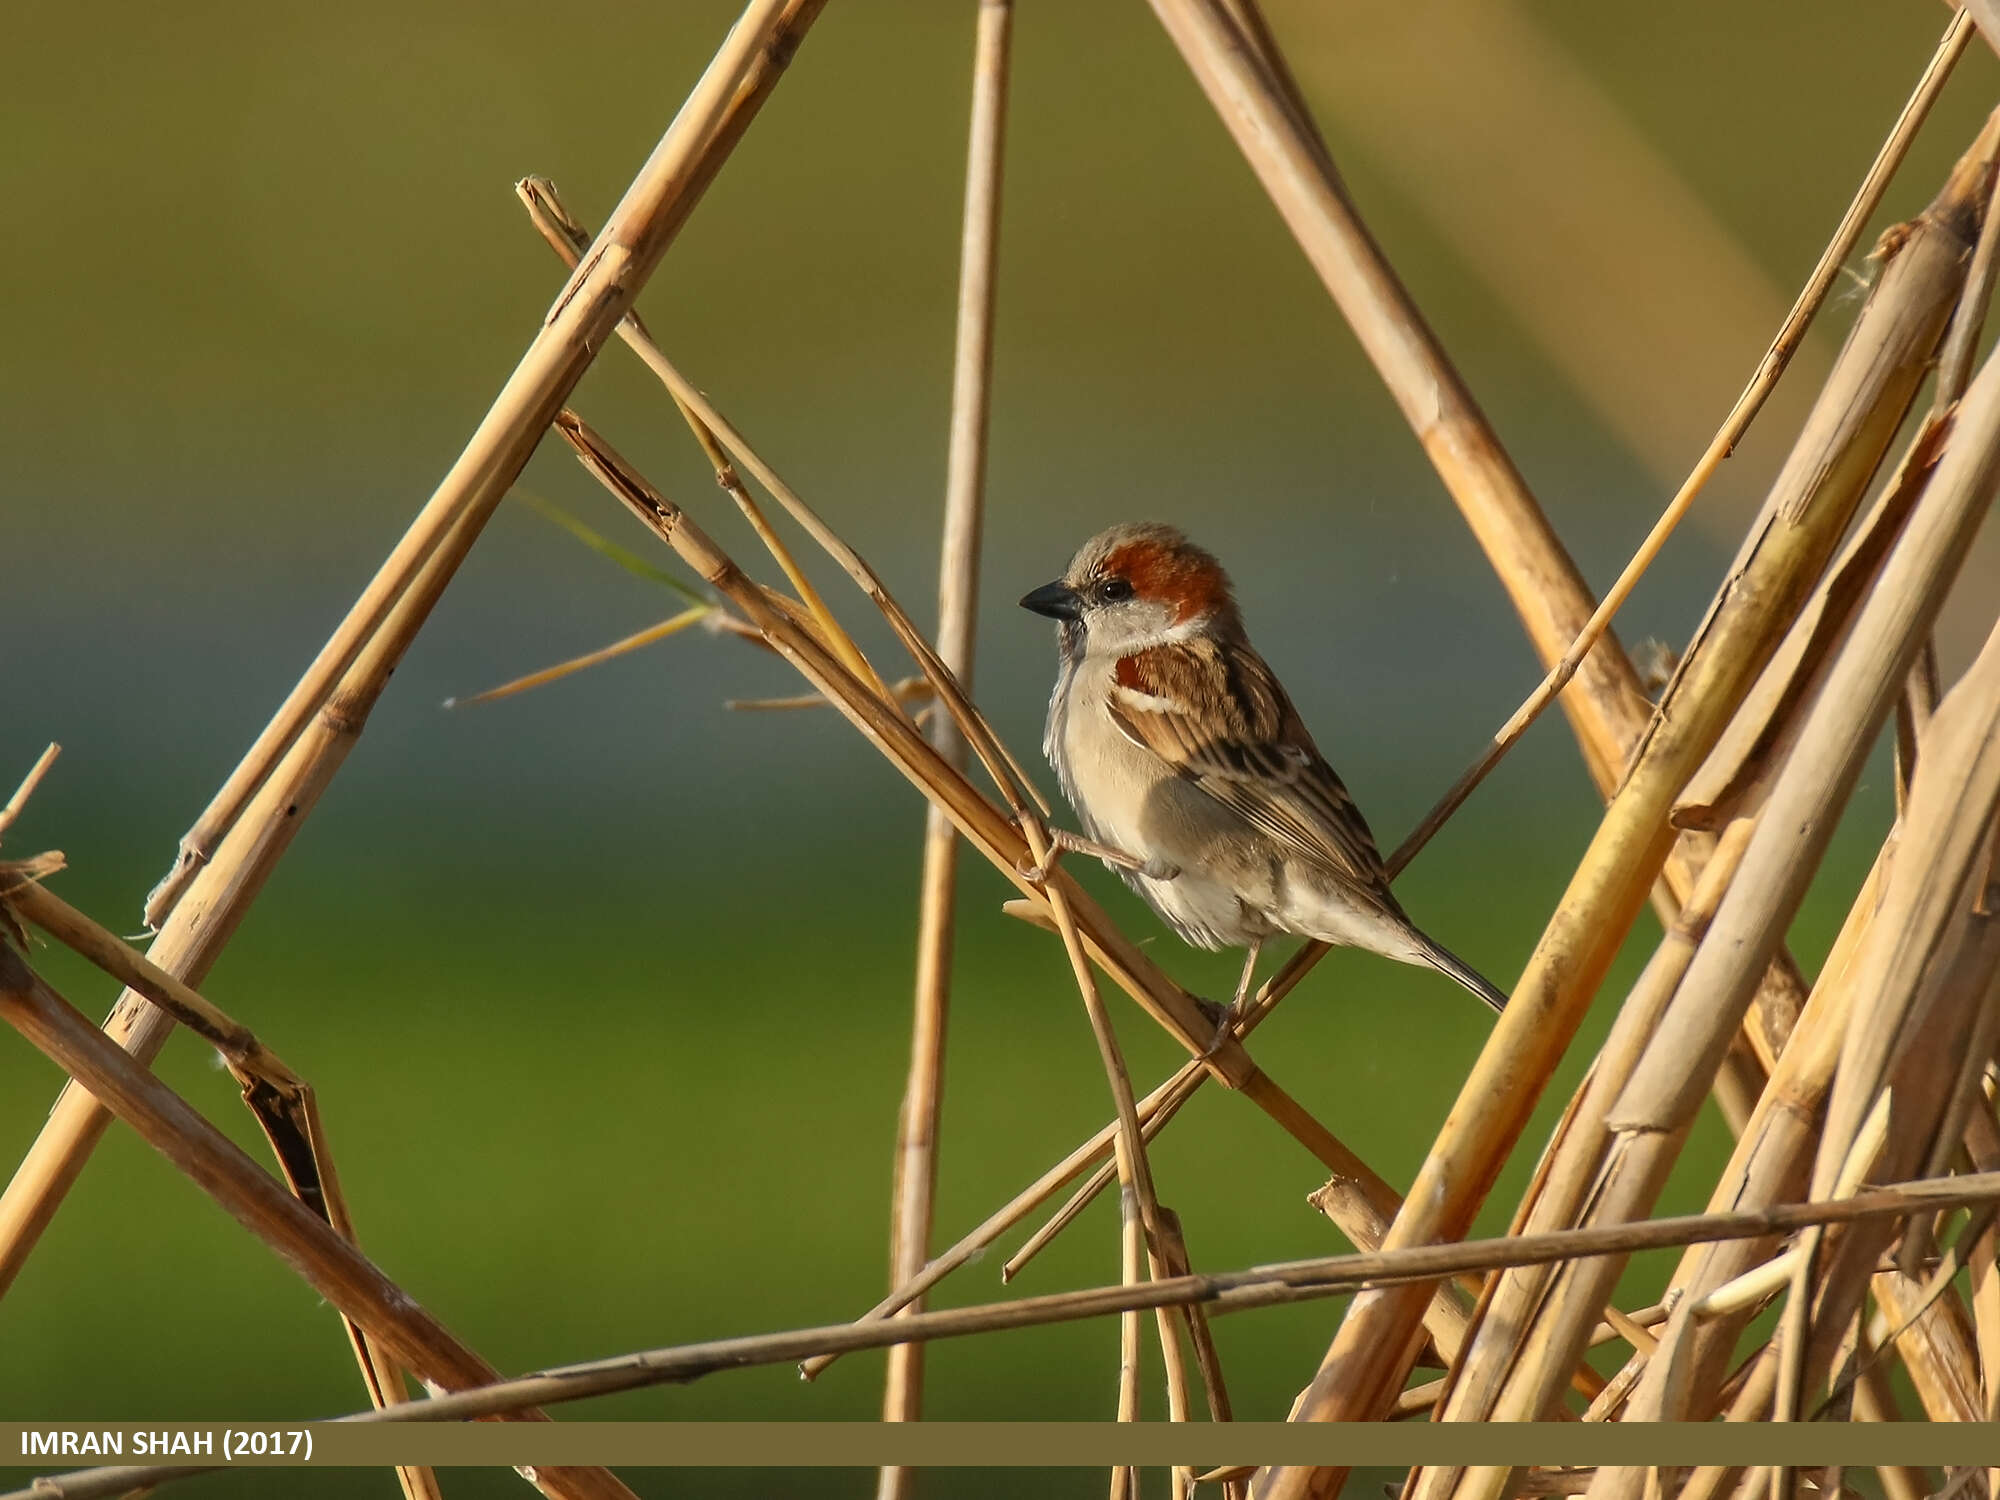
1224,1017
1062,841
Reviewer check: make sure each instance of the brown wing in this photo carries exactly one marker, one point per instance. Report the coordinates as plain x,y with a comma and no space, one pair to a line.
1254,756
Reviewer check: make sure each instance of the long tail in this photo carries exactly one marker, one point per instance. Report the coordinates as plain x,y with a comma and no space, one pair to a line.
1445,961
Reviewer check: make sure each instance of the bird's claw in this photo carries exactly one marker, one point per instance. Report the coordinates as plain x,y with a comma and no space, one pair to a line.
1224,1017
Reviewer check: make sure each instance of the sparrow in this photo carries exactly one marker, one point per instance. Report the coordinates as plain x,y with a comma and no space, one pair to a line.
1191,771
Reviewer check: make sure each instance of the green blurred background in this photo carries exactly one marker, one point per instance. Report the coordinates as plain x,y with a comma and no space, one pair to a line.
605,989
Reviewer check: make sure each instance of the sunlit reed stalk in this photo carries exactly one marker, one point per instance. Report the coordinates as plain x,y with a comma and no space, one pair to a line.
920,1120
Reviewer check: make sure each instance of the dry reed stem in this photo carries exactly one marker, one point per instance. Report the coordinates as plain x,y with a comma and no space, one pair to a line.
326,1260
1934,1340
1735,777
248,1058
1131,1325
1512,1303
1791,333
1608,710
1795,1325
1811,502
1875,1402
1982,1143
1260,1286
918,1121
227,855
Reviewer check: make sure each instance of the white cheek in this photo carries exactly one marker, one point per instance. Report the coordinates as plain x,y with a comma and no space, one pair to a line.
1123,631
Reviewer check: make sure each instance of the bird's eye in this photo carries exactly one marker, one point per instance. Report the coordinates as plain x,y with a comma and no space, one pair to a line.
1113,590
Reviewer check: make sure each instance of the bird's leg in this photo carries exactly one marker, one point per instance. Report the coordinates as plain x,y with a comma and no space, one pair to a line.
1249,973
1062,841
1237,1006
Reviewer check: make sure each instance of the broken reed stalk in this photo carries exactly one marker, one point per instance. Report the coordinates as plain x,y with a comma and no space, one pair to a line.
1228,1291
1811,502
919,1120
232,848
639,639
327,1261
1791,333
26,789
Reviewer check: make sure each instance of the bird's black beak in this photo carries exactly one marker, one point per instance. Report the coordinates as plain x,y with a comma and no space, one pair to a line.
1056,600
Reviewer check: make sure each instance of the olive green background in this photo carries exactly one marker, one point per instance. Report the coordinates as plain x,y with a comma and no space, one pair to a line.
604,990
